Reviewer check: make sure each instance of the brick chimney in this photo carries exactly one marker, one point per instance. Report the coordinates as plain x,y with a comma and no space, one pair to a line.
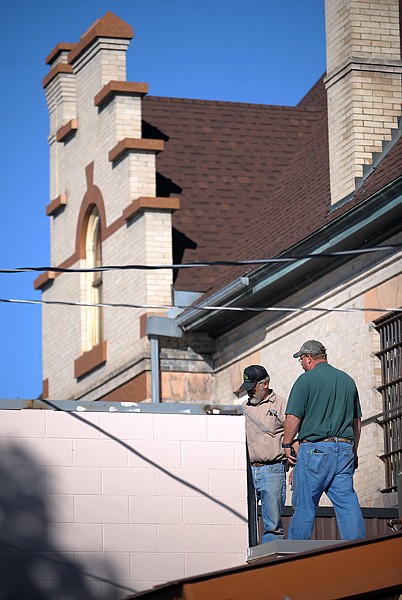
77,72
363,85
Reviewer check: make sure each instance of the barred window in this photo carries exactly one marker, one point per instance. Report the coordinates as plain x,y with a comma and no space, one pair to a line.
390,329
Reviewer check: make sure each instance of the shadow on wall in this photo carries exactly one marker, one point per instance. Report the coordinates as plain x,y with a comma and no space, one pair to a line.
31,566
149,461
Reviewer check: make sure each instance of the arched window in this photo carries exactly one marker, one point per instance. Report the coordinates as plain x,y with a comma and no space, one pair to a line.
93,259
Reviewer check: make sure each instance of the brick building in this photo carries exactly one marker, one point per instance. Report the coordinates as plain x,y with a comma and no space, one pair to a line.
141,180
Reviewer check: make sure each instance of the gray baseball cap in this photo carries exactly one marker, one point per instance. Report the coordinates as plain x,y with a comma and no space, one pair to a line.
311,347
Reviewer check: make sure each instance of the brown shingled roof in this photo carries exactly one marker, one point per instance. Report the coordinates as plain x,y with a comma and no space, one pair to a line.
226,160
253,179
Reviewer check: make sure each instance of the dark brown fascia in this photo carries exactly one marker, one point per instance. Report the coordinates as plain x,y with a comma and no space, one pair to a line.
44,280
66,130
108,26
133,144
57,69
57,50
114,88
56,205
88,361
140,204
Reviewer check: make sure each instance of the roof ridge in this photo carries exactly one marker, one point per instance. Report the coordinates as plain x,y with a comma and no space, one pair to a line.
229,103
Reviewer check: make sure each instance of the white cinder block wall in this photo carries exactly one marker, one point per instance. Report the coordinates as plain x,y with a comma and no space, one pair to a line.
104,504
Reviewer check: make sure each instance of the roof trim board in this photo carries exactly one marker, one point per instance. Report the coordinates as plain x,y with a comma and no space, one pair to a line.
349,230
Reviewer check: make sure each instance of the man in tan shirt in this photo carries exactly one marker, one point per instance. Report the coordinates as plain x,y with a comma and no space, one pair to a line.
264,413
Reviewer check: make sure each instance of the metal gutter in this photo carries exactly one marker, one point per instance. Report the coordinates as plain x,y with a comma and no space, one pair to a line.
378,215
223,296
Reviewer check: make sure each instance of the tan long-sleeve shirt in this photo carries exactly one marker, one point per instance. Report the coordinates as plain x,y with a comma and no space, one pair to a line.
264,428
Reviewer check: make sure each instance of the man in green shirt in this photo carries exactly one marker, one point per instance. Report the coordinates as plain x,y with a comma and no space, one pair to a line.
324,410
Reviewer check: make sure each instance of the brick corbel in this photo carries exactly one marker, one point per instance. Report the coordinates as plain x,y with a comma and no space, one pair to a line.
60,48
143,203
134,144
88,361
56,205
66,130
44,280
122,88
57,69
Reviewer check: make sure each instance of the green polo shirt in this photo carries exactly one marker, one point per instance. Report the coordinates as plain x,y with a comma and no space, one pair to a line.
326,400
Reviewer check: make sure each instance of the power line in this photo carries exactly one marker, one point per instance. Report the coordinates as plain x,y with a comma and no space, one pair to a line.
214,263
206,308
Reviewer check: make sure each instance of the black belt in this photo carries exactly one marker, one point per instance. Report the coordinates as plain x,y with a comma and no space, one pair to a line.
331,439
268,462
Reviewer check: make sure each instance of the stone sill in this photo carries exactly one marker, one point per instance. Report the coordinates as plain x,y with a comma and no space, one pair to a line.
134,144
88,361
114,88
143,203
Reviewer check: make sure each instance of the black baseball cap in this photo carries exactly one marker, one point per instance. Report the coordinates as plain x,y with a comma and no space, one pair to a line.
252,375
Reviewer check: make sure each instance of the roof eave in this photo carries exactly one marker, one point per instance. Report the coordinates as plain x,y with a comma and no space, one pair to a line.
375,219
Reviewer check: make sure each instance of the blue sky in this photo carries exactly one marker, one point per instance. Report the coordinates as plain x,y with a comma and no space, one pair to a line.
262,51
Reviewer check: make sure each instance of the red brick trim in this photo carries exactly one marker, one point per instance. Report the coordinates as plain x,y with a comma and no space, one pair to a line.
56,205
108,26
137,389
88,361
143,322
44,280
93,196
66,130
57,69
113,227
45,389
57,50
140,204
134,144
114,88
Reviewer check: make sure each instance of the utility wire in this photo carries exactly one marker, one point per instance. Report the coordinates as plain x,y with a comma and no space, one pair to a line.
206,308
214,263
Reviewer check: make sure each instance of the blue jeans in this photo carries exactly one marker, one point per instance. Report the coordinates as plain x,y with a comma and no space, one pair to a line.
270,488
325,467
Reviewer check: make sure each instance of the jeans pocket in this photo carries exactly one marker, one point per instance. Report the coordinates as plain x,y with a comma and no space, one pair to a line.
316,461
349,460
277,468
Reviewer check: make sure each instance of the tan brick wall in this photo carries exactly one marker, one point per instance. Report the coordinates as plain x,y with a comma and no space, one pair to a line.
363,85
145,240
361,28
349,339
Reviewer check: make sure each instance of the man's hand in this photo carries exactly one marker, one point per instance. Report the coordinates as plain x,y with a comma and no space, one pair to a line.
356,461
290,455
291,479
292,424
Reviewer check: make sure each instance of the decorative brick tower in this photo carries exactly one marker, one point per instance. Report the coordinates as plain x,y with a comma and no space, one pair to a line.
103,211
363,85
